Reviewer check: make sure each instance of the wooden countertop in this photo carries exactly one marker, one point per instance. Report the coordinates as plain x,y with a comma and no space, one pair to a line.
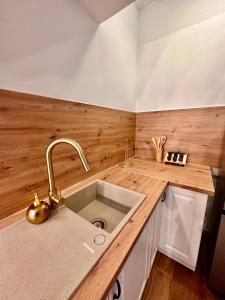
193,177
151,179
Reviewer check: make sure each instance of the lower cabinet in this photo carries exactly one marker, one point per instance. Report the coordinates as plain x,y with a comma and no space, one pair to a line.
175,228
117,291
183,213
131,282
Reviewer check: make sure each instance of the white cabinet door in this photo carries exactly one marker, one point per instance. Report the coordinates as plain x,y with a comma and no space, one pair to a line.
135,270
150,241
132,278
153,236
157,223
183,214
117,288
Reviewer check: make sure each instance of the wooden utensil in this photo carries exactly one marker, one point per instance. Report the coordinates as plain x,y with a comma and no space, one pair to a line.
158,151
154,143
162,141
158,143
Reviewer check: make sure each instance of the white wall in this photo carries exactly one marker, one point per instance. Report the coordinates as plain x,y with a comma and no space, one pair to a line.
181,55
55,48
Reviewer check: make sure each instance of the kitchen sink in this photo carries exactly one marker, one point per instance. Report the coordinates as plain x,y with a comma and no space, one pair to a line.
76,236
104,205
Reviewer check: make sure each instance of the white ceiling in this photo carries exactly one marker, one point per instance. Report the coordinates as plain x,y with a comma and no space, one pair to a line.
101,10
142,3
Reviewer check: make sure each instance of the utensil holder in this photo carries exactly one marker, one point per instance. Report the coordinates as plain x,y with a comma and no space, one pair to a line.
158,156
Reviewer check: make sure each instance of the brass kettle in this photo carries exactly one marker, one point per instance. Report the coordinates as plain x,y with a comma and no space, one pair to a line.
38,212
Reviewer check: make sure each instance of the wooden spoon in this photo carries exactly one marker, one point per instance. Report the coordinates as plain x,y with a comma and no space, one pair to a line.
163,140
158,143
154,143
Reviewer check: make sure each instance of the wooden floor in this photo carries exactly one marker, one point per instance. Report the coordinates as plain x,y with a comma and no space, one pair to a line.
172,281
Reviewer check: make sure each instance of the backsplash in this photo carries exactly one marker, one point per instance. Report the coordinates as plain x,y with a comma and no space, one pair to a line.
29,123
198,132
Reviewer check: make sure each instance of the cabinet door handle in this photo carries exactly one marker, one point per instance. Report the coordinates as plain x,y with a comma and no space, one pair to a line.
117,296
164,197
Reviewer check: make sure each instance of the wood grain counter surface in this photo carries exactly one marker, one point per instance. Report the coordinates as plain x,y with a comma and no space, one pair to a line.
150,178
197,178
146,177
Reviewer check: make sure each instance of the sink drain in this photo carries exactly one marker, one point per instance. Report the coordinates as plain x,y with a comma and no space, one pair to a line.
98,222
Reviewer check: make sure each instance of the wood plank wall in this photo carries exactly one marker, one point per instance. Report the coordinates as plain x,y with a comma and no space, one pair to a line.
29,123
199,132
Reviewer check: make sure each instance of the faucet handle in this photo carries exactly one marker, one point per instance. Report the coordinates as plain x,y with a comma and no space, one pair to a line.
59,199
56,199
59,194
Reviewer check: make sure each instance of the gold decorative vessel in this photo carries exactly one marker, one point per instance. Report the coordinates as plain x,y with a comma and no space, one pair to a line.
38,212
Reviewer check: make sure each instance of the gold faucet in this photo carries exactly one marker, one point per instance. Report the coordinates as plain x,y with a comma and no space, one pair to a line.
54,194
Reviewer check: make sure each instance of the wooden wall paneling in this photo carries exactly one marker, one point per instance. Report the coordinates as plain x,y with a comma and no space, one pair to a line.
29,123
199,132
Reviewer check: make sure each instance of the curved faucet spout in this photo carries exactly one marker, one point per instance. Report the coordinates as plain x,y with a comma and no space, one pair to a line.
52,189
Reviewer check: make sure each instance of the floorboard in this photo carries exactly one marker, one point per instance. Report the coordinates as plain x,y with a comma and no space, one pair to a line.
170,280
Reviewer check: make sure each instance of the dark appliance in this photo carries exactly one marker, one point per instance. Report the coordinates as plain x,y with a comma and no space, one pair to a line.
217,272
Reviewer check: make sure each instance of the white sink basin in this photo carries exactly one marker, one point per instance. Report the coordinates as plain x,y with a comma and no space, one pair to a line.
104,205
